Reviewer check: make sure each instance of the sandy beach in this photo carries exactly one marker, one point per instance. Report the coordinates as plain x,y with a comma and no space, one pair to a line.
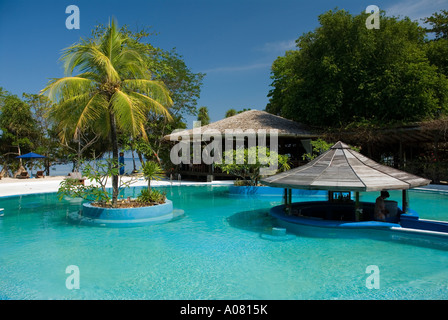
13,186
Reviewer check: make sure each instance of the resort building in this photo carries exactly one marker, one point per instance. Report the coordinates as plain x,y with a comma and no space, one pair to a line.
292,138
419,148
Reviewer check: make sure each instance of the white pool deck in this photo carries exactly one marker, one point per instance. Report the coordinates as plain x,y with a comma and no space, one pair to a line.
12,186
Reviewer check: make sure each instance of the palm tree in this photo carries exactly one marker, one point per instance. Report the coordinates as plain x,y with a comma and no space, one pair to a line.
203,116
152,171
114,91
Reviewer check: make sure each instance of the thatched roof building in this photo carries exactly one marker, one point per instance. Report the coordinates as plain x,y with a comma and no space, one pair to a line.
293,138
252,120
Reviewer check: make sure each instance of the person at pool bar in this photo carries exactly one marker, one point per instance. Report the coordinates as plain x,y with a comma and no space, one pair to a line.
381,212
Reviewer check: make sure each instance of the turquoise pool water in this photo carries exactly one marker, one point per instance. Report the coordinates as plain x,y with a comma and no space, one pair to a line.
215,251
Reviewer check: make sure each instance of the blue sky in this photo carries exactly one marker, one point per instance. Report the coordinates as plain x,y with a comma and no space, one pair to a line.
233,42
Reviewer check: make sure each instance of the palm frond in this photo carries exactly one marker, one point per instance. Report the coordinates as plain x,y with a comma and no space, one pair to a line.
56,86
151,88
67,109
153,105
88,57
72,57
143,132
111,44
129,111
94,109
104,64
131,64
90,75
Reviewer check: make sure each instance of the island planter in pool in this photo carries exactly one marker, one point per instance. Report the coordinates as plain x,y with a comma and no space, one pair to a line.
124,217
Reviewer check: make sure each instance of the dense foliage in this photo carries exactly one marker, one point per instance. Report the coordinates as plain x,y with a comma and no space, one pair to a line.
344,73
437,47
249,163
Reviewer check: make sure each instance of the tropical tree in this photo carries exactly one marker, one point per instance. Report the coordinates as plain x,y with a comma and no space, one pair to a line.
437,48
152,171
439,24
203,116
230,113
114,91
319,146
344,73
184,86
157,149
18,128
46,141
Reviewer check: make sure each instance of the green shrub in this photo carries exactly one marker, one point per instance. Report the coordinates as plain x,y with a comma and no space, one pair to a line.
242,183
249,163
151,196
152,171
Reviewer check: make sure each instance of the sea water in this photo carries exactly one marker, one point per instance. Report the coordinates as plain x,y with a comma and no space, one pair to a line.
215,251
62,169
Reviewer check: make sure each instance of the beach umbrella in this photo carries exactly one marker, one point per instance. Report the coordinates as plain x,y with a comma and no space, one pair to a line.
30,155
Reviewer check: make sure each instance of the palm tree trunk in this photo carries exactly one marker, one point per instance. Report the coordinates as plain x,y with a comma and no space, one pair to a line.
20,153
140,157
133,159
114,141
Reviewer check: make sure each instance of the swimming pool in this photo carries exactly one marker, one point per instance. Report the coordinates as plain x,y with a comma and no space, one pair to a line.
215,251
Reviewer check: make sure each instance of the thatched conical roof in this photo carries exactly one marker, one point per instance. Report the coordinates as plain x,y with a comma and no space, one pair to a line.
341,168
252,120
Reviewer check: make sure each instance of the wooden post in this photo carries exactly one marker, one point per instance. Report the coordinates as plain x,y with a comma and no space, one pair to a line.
405,201
285,199
357,208
436,159
288,201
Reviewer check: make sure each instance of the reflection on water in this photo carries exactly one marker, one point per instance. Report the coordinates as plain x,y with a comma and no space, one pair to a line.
257,220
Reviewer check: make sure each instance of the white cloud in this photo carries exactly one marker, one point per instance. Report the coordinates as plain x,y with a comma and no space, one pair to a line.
416,9
278,46
269,48
238,68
